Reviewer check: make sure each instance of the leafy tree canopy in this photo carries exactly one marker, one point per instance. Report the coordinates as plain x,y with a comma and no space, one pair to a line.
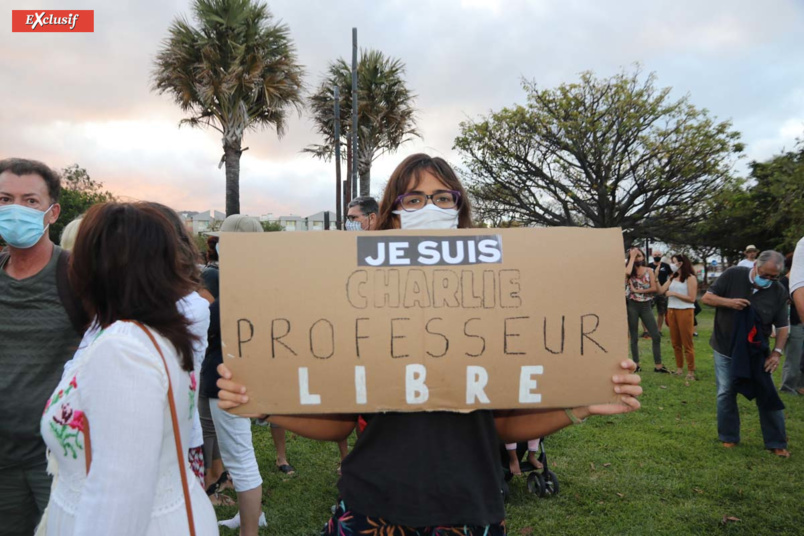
613,152
78,192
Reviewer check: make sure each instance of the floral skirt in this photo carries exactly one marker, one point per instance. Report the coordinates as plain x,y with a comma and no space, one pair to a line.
195,456
346,522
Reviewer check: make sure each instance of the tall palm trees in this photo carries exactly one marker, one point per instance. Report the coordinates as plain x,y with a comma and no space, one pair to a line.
385,109
235,69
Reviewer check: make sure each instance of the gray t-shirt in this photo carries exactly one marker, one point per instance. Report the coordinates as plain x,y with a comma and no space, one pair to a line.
770,304
36,339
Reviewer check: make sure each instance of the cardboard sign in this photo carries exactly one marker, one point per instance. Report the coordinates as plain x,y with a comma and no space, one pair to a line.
349,322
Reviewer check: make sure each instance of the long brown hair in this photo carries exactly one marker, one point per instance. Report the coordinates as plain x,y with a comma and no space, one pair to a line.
408,173
188,250
686,269
127,265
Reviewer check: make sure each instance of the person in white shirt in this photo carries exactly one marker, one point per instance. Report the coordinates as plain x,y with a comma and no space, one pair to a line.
120,450
751,253
681,290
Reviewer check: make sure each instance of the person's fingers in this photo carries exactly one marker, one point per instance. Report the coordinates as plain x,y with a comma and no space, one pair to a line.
631,390
224,371
228,386
225,404
631,402
632,379
629,365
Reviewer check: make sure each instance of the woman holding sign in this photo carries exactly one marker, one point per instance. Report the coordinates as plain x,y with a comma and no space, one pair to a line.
446,468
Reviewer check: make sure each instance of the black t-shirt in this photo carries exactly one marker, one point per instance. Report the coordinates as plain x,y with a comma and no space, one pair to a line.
214,355
770,303
426,469
664,272
210,278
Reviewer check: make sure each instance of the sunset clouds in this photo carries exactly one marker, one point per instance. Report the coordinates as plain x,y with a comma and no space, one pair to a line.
85,98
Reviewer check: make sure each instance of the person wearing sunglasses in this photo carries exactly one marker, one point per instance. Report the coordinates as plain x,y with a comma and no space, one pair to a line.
738,288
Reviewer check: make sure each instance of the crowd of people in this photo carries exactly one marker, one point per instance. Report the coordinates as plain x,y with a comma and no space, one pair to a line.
111,348
752,302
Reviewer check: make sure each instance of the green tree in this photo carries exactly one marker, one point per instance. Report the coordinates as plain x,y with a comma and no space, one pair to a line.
385,112
235,70
614,152
765,209
271,226
78,192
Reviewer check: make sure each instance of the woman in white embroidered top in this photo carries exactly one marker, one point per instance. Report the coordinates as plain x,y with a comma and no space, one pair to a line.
682,289
110,425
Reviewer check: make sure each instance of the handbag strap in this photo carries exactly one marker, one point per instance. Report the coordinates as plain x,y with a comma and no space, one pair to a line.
176,434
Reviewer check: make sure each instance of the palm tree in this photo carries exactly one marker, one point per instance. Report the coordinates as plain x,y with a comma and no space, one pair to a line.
235,70
385,113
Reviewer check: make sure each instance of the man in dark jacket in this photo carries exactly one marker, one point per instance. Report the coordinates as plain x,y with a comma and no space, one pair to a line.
740,287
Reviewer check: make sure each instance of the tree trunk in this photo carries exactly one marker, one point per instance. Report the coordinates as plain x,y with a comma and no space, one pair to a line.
365,182
232,152
347,183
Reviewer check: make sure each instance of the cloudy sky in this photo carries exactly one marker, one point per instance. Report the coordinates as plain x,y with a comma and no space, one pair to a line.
84,98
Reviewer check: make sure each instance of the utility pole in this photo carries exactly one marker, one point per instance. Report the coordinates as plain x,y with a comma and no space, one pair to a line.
338,192
355,179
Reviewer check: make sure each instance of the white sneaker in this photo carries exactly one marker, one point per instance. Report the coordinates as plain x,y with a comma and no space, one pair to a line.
234,523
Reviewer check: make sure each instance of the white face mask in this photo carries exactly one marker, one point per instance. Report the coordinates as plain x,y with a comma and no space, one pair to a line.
674,267
429,217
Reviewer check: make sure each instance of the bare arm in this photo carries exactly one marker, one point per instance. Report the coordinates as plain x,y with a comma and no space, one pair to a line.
714,300
523,424
335,427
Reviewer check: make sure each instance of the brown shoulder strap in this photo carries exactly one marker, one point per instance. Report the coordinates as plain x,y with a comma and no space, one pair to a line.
176,433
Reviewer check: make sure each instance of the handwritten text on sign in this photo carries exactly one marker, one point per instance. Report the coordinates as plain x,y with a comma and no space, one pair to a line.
337,322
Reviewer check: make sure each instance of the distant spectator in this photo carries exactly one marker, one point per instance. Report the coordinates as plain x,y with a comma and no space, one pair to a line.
68,234
641,285
792,379
210,275
663,272
759,293
750,256
681,290
362,214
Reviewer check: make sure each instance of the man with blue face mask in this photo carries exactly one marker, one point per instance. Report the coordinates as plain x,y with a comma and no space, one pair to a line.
37,335
739,288
361,214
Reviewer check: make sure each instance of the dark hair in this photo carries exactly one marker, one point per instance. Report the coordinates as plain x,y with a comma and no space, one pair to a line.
212,253
21,166
188,251
368,205
788,262
634,267
686,269
410,172
127,265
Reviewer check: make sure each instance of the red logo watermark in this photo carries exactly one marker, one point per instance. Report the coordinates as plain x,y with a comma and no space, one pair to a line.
48,20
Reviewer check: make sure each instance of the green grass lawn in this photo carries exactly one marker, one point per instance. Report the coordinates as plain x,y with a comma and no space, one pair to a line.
660,470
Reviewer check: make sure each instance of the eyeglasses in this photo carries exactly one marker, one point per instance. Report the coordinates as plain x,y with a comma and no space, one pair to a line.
442,199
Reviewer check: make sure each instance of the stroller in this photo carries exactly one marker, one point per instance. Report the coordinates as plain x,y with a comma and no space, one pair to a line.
541,482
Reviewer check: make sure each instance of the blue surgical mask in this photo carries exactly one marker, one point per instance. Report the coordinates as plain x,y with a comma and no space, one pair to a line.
353,226
761,282
22,227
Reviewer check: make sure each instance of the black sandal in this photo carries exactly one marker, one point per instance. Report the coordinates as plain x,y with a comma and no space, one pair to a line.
662,370
216,486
